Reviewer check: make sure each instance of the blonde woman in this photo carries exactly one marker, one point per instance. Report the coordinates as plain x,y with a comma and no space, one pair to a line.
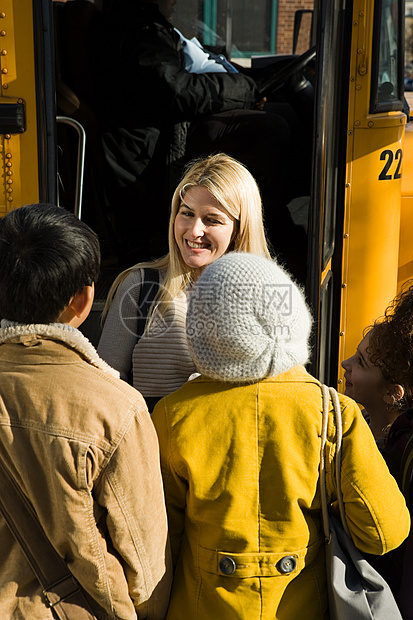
216,208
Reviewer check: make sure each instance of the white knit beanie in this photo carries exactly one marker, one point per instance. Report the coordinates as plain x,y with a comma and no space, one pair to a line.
247,320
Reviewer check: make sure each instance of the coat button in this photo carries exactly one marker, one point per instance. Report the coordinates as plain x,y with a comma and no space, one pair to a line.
227,565
287,564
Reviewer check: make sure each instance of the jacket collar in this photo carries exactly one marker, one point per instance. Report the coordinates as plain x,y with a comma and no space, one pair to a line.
297,373
11,331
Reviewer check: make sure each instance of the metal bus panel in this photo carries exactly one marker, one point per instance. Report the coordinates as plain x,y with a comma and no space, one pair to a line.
19,151
27,104
405,271
371,235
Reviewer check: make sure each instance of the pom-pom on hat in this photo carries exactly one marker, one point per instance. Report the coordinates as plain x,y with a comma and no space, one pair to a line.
247,320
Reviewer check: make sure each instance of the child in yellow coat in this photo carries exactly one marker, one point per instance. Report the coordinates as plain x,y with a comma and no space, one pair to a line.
240,450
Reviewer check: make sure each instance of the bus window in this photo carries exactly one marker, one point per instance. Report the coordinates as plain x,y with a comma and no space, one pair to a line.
260,28
387,72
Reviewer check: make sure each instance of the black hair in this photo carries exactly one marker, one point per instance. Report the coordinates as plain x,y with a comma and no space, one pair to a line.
391,343
47,256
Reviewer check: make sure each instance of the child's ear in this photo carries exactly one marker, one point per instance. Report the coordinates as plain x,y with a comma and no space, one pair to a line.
394,394
82,302
78,307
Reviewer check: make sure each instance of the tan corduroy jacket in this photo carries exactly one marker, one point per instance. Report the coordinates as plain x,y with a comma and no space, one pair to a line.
81,444
241,474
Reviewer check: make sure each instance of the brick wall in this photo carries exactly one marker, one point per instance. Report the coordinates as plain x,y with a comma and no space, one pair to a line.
285,28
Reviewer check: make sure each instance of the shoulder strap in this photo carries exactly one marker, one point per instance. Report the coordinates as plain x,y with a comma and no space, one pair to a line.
406,469
60,589
323,489
327,393
149,289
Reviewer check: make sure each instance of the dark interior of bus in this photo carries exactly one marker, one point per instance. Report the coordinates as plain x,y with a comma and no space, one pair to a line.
80,72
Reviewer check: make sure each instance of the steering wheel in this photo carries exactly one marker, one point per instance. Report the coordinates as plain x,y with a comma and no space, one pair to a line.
275,81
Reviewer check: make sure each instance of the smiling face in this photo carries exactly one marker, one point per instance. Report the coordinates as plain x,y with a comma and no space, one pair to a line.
202,229
364,382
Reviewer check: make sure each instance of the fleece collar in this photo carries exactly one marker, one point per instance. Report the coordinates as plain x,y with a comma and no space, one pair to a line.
10,330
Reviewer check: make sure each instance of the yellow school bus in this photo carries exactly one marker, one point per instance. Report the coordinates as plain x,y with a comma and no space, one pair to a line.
360,202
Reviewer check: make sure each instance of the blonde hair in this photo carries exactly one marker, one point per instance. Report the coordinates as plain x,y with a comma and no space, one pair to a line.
236,190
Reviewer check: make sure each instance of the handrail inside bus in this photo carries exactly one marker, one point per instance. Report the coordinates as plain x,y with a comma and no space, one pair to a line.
80,167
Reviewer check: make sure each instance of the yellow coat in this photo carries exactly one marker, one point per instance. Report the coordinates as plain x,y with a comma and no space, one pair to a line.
240,468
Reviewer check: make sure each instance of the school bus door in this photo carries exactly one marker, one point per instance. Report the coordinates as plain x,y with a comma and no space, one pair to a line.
358,160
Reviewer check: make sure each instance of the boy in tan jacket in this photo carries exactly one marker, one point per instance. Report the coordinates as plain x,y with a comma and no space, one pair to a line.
77,439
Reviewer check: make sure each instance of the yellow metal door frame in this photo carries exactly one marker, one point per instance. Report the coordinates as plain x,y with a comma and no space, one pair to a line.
373,196
19,151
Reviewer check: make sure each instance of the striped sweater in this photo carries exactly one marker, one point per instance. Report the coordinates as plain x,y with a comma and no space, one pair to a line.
160,360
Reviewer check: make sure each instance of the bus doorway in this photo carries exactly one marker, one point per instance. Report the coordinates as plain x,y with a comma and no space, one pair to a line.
359,155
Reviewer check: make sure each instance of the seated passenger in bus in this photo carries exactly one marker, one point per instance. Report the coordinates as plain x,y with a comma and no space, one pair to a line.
240,452
215,208
78,441
379,376
157,116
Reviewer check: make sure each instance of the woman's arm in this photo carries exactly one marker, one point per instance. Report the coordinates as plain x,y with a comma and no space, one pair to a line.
119,333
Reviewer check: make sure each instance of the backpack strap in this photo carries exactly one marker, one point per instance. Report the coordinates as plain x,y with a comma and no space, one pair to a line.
406,469
149,289
61,591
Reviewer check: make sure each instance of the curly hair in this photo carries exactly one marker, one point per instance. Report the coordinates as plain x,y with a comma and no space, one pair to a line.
391,343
